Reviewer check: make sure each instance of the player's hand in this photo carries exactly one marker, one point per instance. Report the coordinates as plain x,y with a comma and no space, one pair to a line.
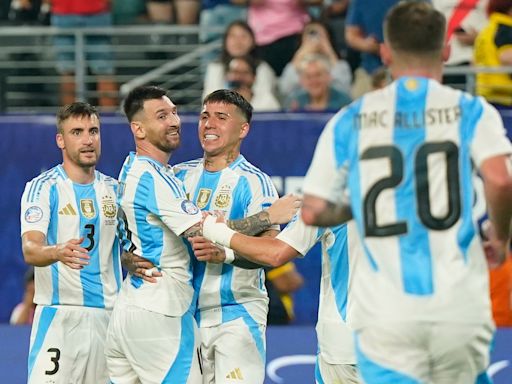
205,250
140,267
72,254
495,250
283,210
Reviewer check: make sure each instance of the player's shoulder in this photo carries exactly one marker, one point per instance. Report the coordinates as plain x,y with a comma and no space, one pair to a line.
106,179
187,166
255,177
43,182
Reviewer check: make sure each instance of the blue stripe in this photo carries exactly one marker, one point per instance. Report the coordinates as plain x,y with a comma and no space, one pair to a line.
90,230
38,183
151,236
45,320
116,262
415,252
318,374
340,269
471,111
180,368
260,175
176,188
52,238
374,373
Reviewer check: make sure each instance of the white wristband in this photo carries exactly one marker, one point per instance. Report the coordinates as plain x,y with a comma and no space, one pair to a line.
230,255
219,233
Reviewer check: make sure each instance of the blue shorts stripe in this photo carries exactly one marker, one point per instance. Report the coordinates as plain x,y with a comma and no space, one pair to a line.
45,320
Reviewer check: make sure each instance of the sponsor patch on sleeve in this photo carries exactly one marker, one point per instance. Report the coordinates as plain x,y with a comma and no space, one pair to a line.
189,207
33,214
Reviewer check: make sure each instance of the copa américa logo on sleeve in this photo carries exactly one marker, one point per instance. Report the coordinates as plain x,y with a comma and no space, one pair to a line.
33,214
189,207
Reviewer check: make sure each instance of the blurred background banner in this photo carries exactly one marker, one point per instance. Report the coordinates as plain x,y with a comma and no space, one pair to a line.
291,354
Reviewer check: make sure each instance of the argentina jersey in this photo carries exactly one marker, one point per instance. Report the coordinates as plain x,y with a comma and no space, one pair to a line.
155,213
406,154
339,256
63,210
240,190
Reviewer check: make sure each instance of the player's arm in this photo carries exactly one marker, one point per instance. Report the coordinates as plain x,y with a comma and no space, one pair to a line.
497,175
36,252
322,213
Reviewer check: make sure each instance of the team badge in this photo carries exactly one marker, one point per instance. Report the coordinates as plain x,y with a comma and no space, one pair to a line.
33,214
223,197
189,207
87,208
109,207
203,197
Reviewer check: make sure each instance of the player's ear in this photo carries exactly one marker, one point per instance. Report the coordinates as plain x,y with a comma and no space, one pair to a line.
137,129
59,139
385,54
447,49
244,130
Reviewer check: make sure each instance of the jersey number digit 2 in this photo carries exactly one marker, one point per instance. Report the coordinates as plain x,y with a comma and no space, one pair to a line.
450,150
54,360
90,235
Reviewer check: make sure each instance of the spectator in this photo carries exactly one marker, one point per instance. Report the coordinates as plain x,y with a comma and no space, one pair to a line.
500,279
281,282
334,13
465,19
277,25
241,77
317,93
182,12
219,13
23,313
363,33
493,48
238,41
315,38
70,14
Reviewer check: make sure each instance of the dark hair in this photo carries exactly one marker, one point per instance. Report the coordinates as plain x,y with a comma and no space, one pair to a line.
327,29
415,27
225,57
134,101
76,109
253,65
500,6
227,96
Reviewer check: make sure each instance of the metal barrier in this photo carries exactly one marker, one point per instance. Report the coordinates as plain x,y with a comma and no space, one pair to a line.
170,56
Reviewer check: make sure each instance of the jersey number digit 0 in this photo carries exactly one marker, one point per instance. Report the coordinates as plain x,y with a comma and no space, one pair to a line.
396,159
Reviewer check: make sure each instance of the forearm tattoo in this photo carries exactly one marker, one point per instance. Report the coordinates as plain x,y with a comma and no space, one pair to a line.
195,230
127,262
251,225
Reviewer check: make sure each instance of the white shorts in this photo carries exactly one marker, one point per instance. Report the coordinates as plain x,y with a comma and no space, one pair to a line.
67,344
233,352
148,347
440,353
326,373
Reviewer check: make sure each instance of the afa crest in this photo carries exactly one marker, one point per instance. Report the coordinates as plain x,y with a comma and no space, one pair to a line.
109,207
87,208
222,200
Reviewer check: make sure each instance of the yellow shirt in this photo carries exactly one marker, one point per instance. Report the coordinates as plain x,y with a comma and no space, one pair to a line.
490,42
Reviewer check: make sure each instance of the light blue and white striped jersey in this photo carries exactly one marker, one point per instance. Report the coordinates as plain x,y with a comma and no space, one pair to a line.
340,252
63,210
156,212
237,191
406,153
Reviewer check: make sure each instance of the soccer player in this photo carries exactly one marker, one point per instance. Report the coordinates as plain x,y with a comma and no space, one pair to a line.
404,156
69,233
336,355
233,303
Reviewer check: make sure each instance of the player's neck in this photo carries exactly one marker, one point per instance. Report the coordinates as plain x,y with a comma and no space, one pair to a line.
430,72
77,174
214,163
153,153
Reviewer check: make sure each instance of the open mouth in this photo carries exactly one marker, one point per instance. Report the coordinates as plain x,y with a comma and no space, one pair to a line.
210,137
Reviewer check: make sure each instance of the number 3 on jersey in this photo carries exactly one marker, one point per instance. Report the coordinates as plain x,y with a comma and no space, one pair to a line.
396,159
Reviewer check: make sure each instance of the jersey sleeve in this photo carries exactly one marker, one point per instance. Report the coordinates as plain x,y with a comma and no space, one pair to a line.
170,204
300,236
35,208
264,194
325,178
490,136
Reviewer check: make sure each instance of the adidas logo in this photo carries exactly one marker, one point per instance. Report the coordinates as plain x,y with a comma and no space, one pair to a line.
235,374
68,210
